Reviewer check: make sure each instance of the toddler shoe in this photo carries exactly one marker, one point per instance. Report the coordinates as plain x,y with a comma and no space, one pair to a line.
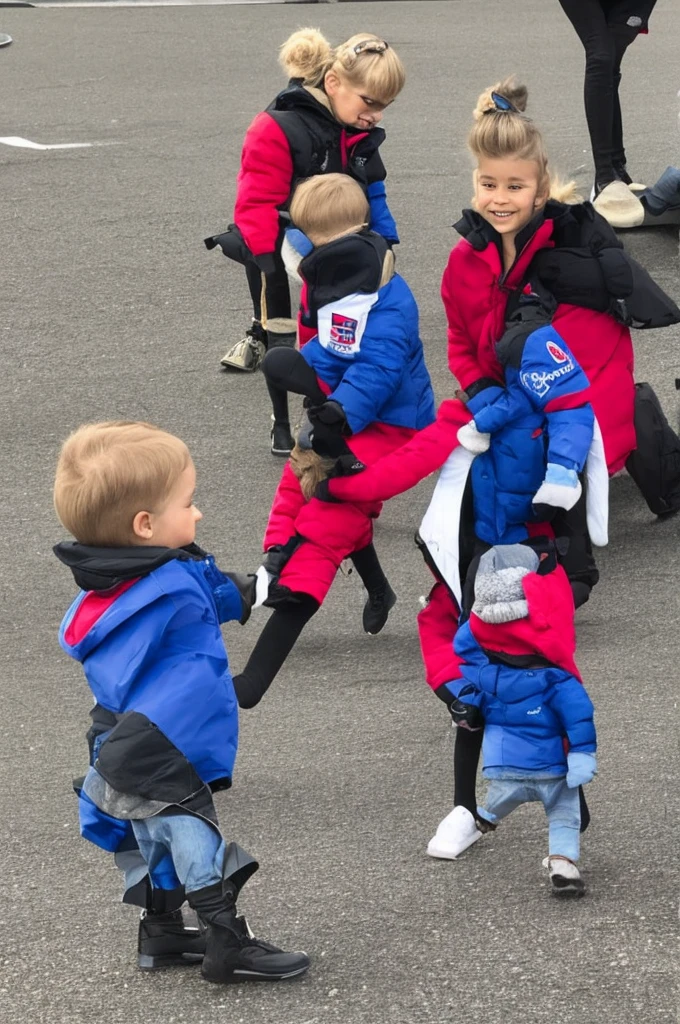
455,833
565,877
167,940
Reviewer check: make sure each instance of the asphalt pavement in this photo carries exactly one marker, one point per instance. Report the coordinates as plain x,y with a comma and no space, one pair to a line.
111,307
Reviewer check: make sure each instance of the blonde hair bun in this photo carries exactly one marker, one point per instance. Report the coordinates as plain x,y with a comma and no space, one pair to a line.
510,89
305,53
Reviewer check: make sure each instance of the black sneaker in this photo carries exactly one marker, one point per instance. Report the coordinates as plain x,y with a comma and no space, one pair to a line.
234,954
282,439
166,940
377,608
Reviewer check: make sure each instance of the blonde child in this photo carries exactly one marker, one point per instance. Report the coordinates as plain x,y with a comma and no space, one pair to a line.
146,629
325,121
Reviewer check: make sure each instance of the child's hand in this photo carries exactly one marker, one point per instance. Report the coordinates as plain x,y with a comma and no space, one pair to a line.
276,556
466,716
346,465
471,438
581,768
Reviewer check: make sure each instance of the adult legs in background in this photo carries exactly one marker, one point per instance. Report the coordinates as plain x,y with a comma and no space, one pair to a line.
604,44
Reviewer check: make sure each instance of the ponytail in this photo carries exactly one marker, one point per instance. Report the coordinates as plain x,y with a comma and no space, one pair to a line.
502,130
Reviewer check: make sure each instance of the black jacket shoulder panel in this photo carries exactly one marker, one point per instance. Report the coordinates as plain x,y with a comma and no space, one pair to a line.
102,569
346,266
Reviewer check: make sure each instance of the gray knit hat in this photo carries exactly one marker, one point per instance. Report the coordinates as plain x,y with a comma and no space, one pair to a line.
499,595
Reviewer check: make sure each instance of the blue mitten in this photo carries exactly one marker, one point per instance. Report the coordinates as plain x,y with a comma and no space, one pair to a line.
581,768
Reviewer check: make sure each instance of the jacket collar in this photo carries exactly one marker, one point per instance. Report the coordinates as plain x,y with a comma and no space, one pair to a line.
102,569
487,242
351,264
297,96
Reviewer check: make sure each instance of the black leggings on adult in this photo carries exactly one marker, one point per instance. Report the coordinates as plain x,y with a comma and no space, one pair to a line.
606,29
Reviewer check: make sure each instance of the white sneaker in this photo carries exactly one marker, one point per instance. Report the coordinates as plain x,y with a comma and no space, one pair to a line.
565,877
455,833
619,206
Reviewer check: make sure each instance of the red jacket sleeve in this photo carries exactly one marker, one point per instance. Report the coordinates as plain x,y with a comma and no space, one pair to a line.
408,465
263,183
462,350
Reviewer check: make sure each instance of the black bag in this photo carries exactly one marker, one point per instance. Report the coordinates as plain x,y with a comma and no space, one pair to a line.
655,463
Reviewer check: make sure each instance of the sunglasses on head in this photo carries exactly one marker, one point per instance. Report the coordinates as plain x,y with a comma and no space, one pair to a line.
371,46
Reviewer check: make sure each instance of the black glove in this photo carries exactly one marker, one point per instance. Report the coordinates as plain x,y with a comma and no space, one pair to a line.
245,584
346,465
329,429
466,716
276,556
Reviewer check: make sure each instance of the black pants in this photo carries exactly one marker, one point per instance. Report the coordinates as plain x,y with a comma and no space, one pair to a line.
601,27
284,627
277,294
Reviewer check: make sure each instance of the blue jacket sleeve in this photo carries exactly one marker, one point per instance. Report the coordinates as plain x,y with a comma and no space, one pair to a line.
381,220
374,376
548,370
570,435
569,700
228,598
463,690
510,405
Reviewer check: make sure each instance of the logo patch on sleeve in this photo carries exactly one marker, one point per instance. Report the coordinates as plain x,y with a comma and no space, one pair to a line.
343,330
557,354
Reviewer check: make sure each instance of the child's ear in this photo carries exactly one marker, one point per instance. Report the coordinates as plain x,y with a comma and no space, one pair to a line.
330,83
141,526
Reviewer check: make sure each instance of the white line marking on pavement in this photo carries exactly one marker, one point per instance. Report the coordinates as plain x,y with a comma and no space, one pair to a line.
16,140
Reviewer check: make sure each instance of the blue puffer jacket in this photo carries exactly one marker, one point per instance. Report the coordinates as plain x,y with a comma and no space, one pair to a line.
157,650
525,435
528,712
369,353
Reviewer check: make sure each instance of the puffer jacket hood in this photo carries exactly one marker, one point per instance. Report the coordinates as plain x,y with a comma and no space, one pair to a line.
103,568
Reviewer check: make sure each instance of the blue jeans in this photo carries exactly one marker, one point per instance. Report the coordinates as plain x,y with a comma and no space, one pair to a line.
561,807
196,849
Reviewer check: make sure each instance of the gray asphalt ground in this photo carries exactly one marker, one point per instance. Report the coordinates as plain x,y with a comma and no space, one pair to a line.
111,307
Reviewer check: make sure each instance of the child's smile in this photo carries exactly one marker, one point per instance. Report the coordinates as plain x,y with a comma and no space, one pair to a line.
507,193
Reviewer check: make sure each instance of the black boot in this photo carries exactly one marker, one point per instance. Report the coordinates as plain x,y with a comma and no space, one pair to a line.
283,441
377,608
232,953
165,940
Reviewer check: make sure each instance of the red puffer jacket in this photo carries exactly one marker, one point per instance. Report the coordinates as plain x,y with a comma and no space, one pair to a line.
475,292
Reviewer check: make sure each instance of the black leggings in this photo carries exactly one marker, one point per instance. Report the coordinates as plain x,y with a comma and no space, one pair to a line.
605,36
285,625
277,295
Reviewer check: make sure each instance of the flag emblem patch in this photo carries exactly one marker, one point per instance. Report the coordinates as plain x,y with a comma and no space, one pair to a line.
343,330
